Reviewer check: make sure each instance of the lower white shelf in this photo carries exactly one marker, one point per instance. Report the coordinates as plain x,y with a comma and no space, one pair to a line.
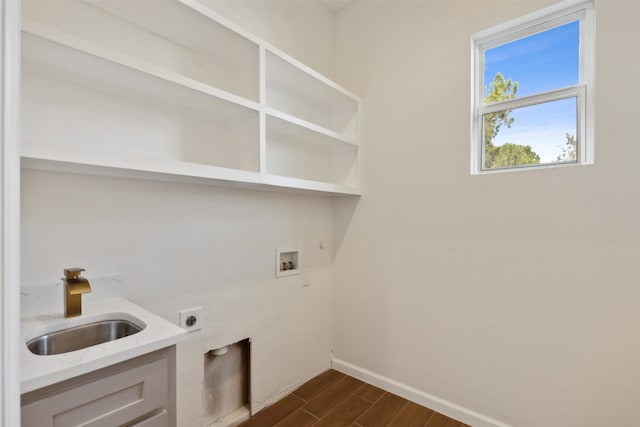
297,152
98,162
111,107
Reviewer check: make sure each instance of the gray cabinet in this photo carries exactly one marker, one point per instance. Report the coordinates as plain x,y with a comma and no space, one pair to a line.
139,392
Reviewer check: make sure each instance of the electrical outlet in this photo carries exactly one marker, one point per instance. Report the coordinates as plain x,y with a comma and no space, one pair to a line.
190,319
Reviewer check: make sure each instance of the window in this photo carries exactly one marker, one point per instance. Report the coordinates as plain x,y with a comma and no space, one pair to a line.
532,92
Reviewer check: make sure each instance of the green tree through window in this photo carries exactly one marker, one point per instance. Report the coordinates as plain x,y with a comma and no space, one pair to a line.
569,150
507,154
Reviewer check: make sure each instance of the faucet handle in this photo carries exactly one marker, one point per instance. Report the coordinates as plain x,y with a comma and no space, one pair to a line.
72,273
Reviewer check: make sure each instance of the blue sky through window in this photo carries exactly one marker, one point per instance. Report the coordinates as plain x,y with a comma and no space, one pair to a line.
541,62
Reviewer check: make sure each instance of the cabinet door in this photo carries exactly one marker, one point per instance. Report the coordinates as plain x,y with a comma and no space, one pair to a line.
106,402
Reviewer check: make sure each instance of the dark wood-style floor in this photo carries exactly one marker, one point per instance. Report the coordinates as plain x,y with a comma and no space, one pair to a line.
338,400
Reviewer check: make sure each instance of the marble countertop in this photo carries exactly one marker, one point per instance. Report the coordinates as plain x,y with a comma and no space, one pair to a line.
40,371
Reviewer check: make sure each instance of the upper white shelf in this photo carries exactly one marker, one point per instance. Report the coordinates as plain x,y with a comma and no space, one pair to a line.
303,93
172,36
169,90
310,126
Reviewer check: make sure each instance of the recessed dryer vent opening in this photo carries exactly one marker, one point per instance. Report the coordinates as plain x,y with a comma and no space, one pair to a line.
226,379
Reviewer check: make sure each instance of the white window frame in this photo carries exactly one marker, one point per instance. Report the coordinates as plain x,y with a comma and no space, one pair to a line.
545,19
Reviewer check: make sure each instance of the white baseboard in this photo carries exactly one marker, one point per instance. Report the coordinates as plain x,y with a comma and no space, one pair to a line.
445,407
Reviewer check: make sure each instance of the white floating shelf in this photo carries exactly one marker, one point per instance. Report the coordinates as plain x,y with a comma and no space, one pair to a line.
105,163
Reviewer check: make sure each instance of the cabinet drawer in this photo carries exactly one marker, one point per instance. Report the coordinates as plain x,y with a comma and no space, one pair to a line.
108,402
161,419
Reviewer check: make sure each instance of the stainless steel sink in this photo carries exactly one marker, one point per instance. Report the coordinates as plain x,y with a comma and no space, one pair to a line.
82,336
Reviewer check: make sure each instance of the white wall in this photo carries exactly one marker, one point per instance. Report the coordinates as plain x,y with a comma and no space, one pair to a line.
177,246
513,295
303,29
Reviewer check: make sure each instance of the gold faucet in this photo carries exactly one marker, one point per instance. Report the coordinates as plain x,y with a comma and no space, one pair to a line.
74,286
